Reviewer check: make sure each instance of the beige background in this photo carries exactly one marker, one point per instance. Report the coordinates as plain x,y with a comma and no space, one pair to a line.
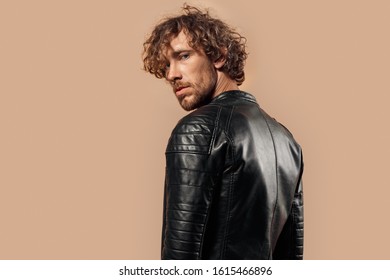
83,129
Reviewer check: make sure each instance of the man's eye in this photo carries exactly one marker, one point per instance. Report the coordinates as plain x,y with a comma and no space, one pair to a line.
167,66
185,56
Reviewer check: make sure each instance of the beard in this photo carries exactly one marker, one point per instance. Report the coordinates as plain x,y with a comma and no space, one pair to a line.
195,100
200,94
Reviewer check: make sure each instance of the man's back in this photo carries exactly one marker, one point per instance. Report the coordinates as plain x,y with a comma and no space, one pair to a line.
233,185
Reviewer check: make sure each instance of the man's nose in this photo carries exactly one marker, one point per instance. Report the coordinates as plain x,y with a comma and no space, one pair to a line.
173,73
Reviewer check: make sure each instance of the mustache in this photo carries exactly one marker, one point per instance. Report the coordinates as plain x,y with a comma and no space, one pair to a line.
177,85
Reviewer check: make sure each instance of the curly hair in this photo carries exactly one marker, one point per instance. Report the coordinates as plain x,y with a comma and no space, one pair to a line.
211,35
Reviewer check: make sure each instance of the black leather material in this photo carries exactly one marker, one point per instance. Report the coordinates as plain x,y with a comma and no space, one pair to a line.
233,186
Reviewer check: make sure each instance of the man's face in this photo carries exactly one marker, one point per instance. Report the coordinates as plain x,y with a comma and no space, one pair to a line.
190,72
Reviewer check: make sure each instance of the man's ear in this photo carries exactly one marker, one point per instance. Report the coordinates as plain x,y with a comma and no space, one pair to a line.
220,61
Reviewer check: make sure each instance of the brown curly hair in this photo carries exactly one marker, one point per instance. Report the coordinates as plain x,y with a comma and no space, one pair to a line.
204,32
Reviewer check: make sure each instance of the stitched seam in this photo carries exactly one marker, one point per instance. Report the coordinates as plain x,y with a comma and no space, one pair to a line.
276,174
205,224
192,145
186,152
224,243
229,119
214,130
188,222
187,185
196,122
194,212
184,241
293,251
186,231
211,191
189,252
195,170
197,118
193,133
188,204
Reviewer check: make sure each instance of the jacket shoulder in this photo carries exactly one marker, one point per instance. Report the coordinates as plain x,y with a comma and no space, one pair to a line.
194,132
280,132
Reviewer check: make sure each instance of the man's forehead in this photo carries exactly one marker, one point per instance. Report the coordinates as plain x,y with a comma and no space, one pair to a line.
177,44
180,41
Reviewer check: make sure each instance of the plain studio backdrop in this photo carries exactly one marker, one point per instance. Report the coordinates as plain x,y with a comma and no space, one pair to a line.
84,129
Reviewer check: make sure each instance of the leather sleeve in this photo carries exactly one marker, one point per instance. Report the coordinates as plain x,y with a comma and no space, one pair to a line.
290,242
188,189
297,216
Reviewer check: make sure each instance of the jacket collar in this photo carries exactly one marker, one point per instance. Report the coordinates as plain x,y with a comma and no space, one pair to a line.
234,94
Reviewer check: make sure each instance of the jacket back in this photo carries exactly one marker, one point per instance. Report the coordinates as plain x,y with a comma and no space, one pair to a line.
233,185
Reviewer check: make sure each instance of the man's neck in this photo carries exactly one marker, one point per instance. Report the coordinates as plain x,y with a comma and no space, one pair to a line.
224,83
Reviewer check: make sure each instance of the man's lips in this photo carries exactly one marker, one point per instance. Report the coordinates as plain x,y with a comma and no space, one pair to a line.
179,90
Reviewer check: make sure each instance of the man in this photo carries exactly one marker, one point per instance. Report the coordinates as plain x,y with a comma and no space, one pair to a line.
233,174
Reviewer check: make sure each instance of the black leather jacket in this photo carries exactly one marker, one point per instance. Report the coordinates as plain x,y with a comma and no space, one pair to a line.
233,185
